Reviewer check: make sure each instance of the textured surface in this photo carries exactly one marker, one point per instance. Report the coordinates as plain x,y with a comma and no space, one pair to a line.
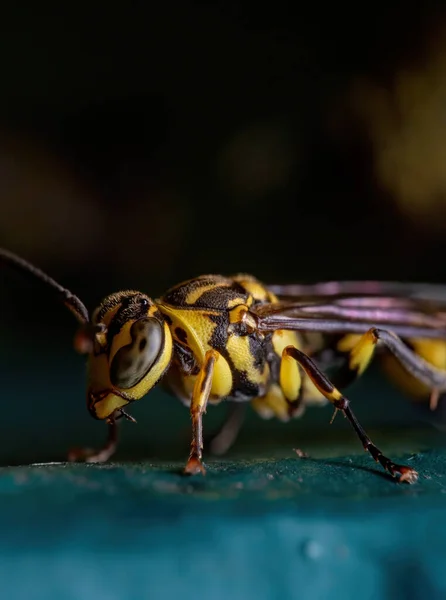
261,529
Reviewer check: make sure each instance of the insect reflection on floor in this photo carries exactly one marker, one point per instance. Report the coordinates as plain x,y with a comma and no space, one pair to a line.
215,338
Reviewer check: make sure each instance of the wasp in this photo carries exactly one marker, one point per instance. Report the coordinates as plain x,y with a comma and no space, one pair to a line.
215,338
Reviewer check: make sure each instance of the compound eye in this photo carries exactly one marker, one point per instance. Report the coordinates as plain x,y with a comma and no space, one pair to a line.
132,362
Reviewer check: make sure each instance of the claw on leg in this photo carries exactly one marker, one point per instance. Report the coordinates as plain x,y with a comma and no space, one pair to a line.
402,472
407,474
194,466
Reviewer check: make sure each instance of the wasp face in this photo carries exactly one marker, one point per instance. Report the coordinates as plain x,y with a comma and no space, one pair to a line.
132,350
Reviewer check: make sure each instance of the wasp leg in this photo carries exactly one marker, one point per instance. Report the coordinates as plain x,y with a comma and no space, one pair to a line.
324,385
275,404
222,441
100,455
421,369
200,396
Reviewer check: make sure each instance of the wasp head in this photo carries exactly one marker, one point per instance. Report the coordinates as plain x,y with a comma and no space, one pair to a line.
131,348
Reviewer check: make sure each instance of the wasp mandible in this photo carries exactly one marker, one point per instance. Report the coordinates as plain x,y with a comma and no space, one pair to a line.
215,338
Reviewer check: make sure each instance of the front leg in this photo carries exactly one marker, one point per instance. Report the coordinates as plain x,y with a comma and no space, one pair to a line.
98,455
200,396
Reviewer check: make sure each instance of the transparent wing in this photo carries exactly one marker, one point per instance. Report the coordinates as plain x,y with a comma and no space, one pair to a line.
426,291
409,310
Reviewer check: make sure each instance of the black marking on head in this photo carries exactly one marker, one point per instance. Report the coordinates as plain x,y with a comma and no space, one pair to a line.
109,303
133,307
181,334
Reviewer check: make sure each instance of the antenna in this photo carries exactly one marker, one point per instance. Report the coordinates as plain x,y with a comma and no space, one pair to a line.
72,302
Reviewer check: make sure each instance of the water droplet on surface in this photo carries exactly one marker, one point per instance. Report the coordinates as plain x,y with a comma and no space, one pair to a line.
312,549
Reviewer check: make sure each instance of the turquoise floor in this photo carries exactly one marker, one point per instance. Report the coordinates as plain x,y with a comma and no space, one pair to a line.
286,528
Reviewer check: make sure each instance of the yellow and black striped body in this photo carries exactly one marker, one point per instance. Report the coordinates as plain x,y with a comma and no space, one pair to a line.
213,338
212,313
431,350
207,313
147,341
202,339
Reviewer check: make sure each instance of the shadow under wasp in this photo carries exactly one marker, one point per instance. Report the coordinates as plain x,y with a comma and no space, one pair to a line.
215,338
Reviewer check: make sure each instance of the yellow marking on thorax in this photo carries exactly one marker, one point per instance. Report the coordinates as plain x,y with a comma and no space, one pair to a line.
199,330
255,288
196,323
243,360
221,381
236,301
196,293
236,314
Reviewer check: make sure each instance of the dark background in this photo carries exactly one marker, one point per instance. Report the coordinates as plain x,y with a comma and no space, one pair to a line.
144,145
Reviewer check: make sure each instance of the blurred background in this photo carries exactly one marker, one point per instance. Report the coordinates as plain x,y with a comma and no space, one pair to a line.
149,143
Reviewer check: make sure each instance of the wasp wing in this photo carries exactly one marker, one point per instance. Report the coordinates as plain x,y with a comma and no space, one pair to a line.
409,310
299,291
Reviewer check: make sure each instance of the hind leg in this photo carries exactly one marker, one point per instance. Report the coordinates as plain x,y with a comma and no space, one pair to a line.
226,436
292,358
